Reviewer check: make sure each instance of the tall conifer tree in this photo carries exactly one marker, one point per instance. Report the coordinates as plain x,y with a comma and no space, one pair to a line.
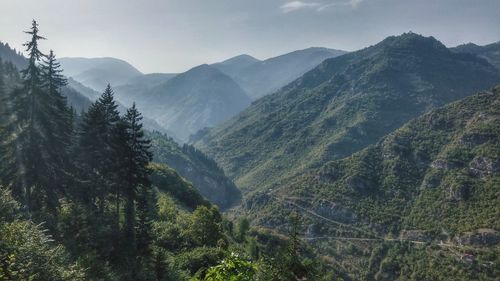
61,117
35,172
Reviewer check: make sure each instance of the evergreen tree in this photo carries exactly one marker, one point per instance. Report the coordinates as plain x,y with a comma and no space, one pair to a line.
61,117
3,96
30,128
292,262
96,150
135,167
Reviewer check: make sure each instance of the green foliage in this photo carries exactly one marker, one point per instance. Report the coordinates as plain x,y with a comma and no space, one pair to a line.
206,227
432,181
232,268
205,175
342,106
169,181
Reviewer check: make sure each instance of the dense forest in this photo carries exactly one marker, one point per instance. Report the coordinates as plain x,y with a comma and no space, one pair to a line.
81,198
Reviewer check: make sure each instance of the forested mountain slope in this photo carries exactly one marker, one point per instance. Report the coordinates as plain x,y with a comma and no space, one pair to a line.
433,185
12,55
342,106
490,52
196,167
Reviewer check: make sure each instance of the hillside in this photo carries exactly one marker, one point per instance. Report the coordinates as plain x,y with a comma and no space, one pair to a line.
134,89
433,183
201,97
76,98
235,65
193,165
96,73
490,52
9,54
259,78
342,106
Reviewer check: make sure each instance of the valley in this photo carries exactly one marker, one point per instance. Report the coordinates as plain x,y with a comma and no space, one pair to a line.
379,164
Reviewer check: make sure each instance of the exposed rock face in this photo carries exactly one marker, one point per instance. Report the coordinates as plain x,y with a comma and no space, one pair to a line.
334,211
481,237
483,166
444,164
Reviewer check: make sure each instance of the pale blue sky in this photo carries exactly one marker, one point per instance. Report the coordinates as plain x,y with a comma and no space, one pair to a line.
174,35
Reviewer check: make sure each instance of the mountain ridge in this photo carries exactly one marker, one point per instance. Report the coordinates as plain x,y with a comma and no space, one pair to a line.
341,106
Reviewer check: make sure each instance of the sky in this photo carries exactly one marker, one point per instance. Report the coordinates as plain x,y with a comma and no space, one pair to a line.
175,35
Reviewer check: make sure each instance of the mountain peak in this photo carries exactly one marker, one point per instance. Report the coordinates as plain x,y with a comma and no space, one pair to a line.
413,41
244,58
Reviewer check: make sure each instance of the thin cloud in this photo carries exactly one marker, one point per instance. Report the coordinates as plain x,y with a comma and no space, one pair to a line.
299,5
317,6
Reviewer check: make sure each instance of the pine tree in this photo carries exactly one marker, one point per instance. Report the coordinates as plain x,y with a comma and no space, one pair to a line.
135,169
61,117
97,156
3,95
30,129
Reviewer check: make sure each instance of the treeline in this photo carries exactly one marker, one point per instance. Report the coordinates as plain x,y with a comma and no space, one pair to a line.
78,196
98,164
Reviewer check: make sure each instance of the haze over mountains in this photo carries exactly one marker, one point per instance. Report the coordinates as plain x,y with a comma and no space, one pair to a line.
96,73
259,78
342,106
387,157
204,96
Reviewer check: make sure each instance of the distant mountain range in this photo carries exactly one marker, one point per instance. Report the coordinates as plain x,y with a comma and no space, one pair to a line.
96,73
259,78
342,106
204,96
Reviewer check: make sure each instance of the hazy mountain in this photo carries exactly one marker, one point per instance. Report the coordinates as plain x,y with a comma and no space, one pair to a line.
342,106
201,97
75,98
489,52
196,167
137,87
431,185
12,55
96,73
259,78
235,65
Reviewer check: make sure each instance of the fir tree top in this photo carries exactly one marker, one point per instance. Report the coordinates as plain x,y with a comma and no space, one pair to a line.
53,79
34,54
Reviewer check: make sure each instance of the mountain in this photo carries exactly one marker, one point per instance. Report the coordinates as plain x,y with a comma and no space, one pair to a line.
134,89
196,167
9,54
259,78
235,65
489,52
342,106
423,198
201,97
96,73
75,99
